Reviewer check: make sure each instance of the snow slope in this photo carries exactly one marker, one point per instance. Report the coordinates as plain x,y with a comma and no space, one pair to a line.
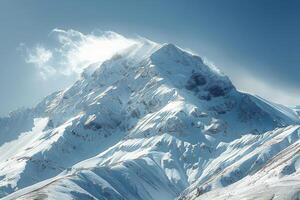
297,110
152,122
265,169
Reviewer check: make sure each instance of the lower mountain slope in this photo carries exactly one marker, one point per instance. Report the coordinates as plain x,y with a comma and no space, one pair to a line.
251,167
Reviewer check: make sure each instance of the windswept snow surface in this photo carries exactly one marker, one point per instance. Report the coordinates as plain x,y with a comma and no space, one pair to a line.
152,122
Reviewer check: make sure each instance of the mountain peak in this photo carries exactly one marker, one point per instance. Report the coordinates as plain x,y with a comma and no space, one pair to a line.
171,51
170,48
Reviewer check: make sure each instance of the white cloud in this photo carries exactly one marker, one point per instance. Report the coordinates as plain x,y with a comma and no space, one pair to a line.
40,57
73,51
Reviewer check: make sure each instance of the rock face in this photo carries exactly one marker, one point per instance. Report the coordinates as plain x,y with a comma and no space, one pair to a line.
153,122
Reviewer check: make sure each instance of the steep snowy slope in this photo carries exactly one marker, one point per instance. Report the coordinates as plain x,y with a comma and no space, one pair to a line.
263,168
152,122
297,110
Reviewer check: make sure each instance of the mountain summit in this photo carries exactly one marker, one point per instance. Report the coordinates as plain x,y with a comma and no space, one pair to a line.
152,122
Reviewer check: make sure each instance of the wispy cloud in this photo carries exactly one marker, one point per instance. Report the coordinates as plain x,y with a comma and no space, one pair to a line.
39,55
73,51
40,58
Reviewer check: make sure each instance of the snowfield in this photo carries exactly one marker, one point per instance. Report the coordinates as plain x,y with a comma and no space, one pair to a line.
153,122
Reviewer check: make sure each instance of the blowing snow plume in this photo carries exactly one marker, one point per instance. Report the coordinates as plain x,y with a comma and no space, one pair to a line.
73,51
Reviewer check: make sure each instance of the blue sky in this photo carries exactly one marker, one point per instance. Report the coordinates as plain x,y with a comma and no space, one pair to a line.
256,43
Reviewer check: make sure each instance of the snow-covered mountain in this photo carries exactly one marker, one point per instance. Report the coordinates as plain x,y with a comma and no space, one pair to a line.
152,122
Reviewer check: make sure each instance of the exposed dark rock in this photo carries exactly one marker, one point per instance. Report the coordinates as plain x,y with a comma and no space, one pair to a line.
196,80
287,170
216,91
93,125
